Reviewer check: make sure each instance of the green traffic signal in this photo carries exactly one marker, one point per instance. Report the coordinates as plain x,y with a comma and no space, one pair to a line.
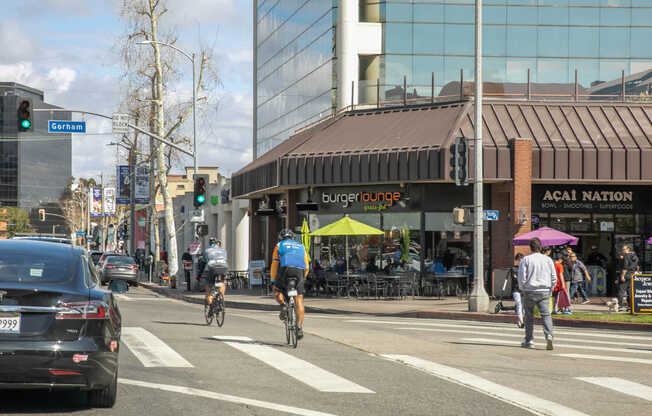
201,199
25,124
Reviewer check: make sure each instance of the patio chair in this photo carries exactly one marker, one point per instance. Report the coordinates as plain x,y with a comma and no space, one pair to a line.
334,283
377,285
407,285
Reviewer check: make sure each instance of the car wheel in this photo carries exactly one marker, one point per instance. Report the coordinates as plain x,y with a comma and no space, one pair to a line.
105,397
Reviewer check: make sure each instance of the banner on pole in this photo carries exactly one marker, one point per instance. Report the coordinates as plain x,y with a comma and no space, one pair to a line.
124,187
109,202
96,202
142,185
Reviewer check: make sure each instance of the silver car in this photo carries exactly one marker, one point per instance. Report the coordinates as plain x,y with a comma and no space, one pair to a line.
120,268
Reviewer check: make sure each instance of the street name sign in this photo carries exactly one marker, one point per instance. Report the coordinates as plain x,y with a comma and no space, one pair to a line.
490,215
66,126
120,123
81,233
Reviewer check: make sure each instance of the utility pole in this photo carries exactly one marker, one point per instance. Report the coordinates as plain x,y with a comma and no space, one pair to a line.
132,193
478,300
102,245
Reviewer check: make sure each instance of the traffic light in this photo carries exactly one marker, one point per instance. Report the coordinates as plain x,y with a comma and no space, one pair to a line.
459,161
24,114
41,214
200,192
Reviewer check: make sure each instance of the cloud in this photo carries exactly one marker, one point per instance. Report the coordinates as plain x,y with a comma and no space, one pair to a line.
13,44
201,11
62,78
44,7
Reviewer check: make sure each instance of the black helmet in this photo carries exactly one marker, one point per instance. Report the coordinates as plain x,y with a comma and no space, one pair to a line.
214,241
285,234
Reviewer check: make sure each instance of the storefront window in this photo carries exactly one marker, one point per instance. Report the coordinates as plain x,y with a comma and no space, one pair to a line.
603,223
571,223
448,245
402,230
624,223
539,220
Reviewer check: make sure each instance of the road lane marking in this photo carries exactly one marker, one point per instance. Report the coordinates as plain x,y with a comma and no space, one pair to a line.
224,397
297,368
607,358
581,347
514,397
130,299
620,385
150,350
591,341
615,335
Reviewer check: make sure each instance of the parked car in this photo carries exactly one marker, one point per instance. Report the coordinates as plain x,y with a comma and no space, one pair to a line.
58,328
120,268
95,257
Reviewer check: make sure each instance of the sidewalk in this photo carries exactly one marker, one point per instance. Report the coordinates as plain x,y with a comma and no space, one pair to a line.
419,307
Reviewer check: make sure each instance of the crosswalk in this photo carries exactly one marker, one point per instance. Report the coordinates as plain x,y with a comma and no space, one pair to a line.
586,345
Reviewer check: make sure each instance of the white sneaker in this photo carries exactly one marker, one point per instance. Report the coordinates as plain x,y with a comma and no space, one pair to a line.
527,344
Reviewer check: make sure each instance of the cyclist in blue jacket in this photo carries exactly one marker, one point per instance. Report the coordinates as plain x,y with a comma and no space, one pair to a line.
289,260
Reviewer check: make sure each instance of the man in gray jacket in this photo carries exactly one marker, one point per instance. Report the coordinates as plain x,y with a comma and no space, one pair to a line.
536,279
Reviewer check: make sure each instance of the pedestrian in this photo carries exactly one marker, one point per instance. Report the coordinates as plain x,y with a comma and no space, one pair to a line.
516,293
630,266
560,292
536,279
579,274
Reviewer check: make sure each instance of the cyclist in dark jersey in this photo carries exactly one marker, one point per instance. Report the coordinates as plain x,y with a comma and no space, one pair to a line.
216,267
289,260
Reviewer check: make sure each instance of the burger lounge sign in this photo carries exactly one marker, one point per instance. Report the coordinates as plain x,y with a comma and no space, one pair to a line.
365,200
584,198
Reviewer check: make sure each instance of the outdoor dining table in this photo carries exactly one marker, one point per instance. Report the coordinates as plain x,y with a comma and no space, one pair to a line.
445,279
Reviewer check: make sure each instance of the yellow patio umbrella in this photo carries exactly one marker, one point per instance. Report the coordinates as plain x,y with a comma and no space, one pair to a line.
346,227
305,237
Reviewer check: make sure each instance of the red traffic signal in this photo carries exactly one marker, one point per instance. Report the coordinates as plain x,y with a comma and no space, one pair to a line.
41,214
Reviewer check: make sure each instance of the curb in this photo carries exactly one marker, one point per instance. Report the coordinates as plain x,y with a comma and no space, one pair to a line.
460,316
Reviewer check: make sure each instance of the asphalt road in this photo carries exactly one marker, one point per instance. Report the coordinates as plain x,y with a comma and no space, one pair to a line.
171,363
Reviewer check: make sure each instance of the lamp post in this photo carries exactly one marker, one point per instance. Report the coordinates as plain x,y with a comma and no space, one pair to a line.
191,57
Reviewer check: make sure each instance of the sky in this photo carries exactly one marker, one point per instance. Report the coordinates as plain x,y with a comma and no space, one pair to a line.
69,49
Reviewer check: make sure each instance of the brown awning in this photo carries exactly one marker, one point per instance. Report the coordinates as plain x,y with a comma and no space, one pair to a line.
571,141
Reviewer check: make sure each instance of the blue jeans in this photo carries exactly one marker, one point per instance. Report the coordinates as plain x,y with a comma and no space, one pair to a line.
542,301
577,286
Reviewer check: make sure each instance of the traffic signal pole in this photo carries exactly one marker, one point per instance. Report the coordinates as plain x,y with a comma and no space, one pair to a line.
478,300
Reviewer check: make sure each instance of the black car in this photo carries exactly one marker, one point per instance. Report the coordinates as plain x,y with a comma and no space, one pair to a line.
58,328
120,268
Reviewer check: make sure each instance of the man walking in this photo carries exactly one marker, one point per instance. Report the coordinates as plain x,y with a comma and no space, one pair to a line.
536,279
579,273
630,266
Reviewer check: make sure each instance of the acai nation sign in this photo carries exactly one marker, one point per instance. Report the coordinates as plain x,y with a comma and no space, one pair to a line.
65,126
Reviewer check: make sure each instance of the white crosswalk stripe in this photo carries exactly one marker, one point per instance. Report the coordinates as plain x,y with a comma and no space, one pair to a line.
514,397
297,368
620,385
150,350
592,341
607,358
582,347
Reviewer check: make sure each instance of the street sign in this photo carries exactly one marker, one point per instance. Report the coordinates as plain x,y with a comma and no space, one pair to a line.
120,123
194,248
641,294
197,215
490,215
66,126
81,233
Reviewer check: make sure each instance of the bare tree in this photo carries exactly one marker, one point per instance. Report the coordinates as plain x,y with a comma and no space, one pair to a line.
149,73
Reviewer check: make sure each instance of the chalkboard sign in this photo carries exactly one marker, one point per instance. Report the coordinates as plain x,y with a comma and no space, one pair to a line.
642,294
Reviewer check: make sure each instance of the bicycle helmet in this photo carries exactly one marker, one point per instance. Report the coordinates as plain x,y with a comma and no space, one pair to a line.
285,234
214,241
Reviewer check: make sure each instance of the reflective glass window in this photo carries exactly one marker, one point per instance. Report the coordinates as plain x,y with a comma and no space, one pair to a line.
428,13
517,69
584,42
460,40
494,15
494,40
452,66
552,71
398,12
495,69
459,13
424,66
587,16
588,71
641,43
554,15
429,38
553,41
522,15
614,43
395,67
642,16
521,41
398,38
612,70
615,16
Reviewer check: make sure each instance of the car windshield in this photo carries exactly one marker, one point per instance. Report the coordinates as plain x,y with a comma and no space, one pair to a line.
45,267
118,260
96,257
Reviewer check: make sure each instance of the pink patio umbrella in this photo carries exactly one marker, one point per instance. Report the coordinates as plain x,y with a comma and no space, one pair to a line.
548,236
649,240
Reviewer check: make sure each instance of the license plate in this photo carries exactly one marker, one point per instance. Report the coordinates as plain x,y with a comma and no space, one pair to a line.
10,324
292,293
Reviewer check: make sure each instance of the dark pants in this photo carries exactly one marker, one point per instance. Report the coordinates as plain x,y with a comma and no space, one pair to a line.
577,287
542,301
624,291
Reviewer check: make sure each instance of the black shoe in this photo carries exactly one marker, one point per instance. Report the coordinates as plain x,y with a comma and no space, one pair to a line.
549,346
299,333
283,314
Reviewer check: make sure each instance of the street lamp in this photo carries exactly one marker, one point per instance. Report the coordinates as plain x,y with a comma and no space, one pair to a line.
191,57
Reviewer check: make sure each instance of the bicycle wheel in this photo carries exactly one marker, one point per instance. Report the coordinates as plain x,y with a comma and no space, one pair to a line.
208,313
294,325
287,328
221,310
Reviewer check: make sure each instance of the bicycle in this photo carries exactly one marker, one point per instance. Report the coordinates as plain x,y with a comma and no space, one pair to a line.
291,319
216,309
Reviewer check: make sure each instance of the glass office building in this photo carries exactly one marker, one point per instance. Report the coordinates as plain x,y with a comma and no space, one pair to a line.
294,67
35,167
305,64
